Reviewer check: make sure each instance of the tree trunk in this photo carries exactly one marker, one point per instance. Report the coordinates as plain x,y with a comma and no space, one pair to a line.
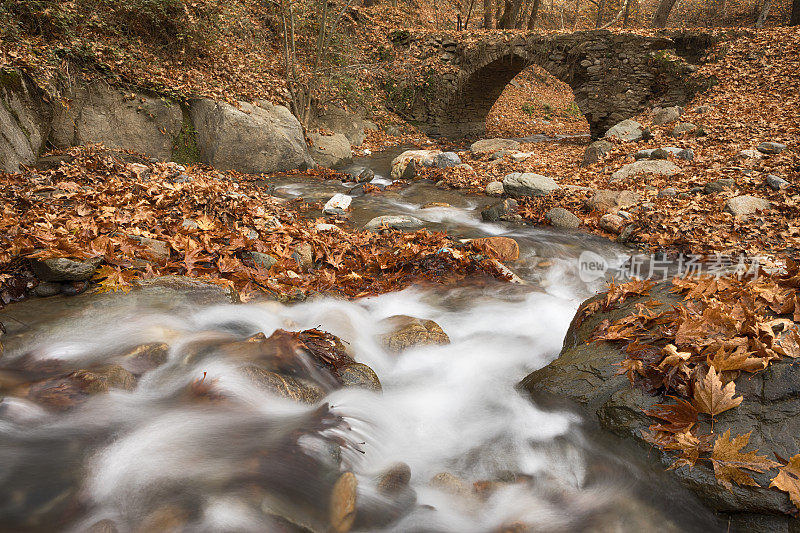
627,14
662,13
577,14
534,15
510,14
762,17
795,18
600,8
622,10
488,11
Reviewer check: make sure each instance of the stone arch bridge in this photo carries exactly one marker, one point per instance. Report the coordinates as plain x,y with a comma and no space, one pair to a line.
614,76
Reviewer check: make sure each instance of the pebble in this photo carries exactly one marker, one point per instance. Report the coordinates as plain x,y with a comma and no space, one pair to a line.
776,183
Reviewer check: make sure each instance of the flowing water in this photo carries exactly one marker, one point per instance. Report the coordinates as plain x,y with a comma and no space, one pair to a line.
151,459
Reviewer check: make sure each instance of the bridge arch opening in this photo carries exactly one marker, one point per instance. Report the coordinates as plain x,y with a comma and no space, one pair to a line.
535,103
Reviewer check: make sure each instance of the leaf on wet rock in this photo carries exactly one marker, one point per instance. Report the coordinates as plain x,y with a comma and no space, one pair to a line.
712,397
788,480
730,463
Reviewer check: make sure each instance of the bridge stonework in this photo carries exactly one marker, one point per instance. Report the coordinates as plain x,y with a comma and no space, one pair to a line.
613,76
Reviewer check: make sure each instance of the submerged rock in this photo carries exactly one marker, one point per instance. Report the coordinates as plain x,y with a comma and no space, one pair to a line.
361,376
64,392
298,389
408,331
500,211
503,248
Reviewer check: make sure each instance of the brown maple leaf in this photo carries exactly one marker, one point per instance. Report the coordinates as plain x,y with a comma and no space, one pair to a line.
680,416
711,397
729,462
788,480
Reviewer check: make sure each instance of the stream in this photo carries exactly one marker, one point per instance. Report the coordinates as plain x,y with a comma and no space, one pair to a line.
148,460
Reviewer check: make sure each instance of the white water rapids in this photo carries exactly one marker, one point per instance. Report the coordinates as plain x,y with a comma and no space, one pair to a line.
454,408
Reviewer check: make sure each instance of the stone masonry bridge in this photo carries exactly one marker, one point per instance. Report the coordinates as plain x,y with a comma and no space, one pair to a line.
614,76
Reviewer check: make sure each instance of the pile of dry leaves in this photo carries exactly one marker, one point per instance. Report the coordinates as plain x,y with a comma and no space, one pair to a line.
153,219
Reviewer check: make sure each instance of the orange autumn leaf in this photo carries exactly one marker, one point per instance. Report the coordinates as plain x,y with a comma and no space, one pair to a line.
730,463
788,480
711,396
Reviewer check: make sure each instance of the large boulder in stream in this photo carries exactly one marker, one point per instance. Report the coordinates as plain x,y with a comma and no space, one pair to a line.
251,139
587,375
330,151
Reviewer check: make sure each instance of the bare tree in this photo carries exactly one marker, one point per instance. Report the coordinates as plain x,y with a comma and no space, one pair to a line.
763,14
662,13
622,10
794,20
510,13
488,12
534,14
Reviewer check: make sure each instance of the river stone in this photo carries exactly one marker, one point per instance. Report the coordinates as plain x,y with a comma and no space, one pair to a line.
503,248
408,331
719,185
252,139
687,154
668,192
606,200
146,357
494,188
330,151
337,205
298,389
64,392
683,128
46,289
528,184
627,130
646,166
485,146
586,375
340,121
303,254
446,160
750,154
666,115
562,218
776,183
194,291
746,205
612,223
365,176
64,269
771,147
361,376
394,479
595,151
423,158
500,210
403,222
262,260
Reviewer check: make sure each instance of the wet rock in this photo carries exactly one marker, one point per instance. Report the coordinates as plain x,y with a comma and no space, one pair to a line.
361,376
627,130
298,389
337,205
166,518
64,269
494,188
446,160
596,151
47,288
771,147
585,374
562,218
668,192
612,223
606,200
146,357
73,288
402,222
451,484
394,479
303,255
500,211
357,191
365,176
746,205
188,289
776,183
528,184
750,154
262,260
684,128
666,115
330,151
64,392
421,158
433,205
503,248
407,331
485,146
656,168
719,185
